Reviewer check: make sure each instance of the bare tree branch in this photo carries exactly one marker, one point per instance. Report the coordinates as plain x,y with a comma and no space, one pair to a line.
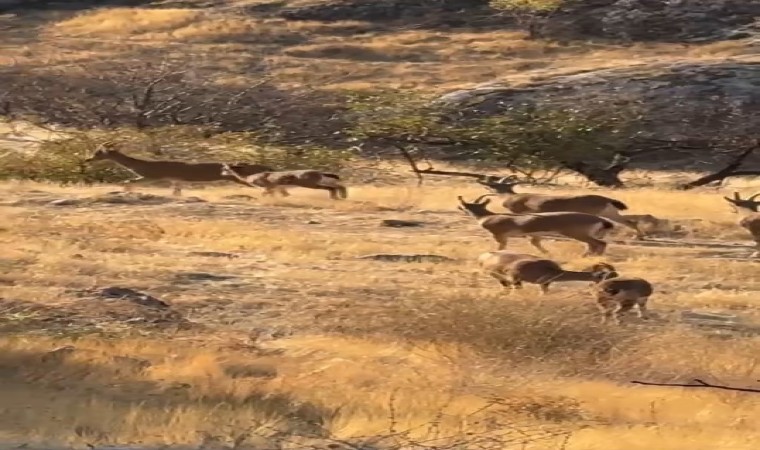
699,384
410,159
730,170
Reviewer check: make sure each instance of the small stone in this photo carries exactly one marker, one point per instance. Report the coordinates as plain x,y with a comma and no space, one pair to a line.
406,257
65,202
397,223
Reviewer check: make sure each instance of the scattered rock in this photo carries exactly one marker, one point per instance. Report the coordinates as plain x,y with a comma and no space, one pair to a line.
135,364
313,222
215,254
406,257
191,277
720,317
58,354
389,10
397,223
138,198
66,202
120,293
239,197
250,371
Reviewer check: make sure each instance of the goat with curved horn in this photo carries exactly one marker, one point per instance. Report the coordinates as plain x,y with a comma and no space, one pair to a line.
586,228
478,200
749,209
598,205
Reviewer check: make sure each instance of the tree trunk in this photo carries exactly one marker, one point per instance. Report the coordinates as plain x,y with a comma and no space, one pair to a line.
601,176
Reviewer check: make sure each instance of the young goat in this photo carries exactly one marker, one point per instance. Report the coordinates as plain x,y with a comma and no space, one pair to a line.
277,181
582,227
597,205
616,296
175,171
513,271
497,263
749,210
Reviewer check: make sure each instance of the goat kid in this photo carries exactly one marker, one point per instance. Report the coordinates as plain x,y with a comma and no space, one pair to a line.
277,181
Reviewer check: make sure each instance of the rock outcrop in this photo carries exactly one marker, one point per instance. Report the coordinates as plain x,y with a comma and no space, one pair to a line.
680,102
654,20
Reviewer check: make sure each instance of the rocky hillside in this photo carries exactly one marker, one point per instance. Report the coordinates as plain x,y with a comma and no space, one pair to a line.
654,20
684,102
691,65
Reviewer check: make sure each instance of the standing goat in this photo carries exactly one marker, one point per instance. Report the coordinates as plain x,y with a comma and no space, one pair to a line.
278,181
586,228
597,205
175,171
512,269
749,209
616,296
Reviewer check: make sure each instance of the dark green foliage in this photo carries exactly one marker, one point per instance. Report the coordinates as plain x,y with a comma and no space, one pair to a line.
522,136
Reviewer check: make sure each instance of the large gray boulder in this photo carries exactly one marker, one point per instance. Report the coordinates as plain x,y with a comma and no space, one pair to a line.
681,102
654,20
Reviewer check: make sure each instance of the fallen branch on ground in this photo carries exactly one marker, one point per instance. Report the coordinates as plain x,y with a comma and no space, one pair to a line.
700,384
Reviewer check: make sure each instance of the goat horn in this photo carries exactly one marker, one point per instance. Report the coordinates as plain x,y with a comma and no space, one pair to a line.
477,200
754,196
509,180
737,196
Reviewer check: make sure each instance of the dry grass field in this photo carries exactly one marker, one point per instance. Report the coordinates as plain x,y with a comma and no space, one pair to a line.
284,338
274,335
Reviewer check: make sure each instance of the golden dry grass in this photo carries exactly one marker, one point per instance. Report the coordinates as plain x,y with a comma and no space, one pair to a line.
355,348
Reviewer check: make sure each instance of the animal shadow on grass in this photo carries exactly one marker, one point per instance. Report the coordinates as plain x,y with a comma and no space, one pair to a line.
67,373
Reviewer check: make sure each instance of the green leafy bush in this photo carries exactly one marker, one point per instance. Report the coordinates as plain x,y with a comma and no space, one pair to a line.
527,136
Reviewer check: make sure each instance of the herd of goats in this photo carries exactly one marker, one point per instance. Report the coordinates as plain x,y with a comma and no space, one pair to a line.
584,218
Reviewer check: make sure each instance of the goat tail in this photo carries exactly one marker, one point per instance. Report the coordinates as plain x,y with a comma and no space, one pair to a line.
618,204
330,175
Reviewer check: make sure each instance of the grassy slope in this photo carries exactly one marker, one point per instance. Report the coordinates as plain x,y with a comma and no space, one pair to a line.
357,352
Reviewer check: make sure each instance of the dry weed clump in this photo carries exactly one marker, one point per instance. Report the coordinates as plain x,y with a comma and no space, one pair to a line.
126,22
561,332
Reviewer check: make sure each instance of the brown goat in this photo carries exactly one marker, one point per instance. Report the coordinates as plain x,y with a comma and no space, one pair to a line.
176,171
586,228
749,210
597,205
277,181
616,296
497,263
544,272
